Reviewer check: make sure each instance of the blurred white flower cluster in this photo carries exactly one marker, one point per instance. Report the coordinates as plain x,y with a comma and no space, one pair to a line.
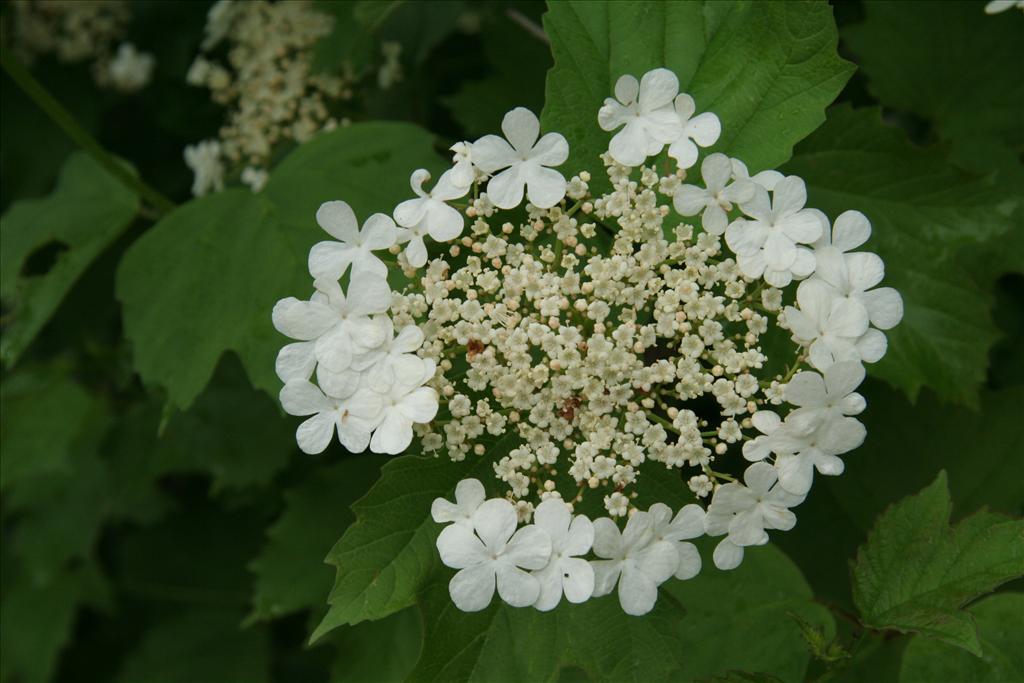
78,31
586,343
266,82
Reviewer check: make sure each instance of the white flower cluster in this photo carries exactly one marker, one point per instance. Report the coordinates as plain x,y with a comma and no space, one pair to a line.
80,30
483,543
267,84
586,343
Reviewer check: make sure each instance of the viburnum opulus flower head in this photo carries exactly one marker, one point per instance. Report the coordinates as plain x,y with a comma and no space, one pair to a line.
590,344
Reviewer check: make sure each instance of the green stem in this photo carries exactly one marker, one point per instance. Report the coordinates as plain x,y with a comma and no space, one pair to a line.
63,118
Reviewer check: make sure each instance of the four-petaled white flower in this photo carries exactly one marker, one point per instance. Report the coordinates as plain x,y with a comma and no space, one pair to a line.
469,495
355,247
717,197
393,358
831,392
353,418
406,403
834,327
701,130
644,110
340,325
767,244
744,512
525,161
854,275
496,554
566,572
688,523
634,559
428,214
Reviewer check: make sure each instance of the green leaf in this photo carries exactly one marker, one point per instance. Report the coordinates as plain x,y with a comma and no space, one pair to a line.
359,648
1002,655
385,557
231,432
367,165
916,572
199,645
290,571
767,69
44,411
205,278
48,243
958,67
922,211
36,620
203,281
744,609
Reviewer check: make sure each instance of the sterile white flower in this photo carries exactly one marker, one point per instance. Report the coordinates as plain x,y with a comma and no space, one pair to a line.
853,275
833,391
688,523
406,403
634,559
835,328
701,130
340,325
469,495
818,431
496,554
393,357
204,160
566,572
429,215
767,244
525,160
352,417
644,110
463,171
806,442
744,512
355,247
717,197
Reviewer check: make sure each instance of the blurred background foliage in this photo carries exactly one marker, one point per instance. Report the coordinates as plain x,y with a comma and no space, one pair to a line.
159,524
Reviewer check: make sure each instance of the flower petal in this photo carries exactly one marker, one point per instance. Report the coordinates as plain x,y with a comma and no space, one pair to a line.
506,189
419,406
550,150
304,320
728,555
545,187
529,548
314,435
393,435
851,230
459,547
521,128
338,219
473,587
495,522
689,561
330,259
637,591
295,361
